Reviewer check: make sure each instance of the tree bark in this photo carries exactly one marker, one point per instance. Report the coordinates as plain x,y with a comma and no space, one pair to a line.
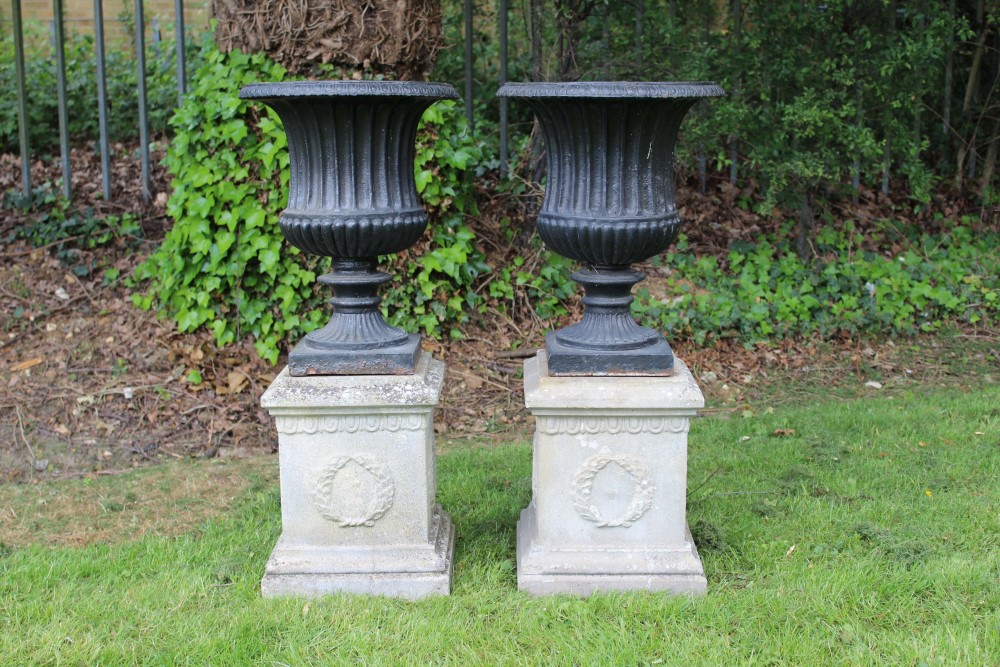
734,154
806,244
396,37
640,6
535,13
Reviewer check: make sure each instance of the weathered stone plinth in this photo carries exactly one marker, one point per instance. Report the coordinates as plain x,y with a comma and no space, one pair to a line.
609,482
356,455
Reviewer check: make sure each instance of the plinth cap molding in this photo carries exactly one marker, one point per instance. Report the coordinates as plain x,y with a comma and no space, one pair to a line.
614,89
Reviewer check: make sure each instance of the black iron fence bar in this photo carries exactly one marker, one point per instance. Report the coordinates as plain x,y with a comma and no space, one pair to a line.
57,9
503,79
102,99
22,101
468,66
58,40
181,63
140,53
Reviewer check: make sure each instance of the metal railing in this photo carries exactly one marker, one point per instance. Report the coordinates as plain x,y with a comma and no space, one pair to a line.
102,93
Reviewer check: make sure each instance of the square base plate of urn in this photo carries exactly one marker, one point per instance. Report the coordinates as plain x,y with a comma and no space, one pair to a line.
548,570
402,571
652,360
304,359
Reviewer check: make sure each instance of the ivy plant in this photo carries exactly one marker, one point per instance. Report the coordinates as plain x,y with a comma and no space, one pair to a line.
224,264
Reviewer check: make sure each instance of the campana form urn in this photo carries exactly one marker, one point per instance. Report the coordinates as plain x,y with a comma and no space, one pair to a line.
609,203
352,197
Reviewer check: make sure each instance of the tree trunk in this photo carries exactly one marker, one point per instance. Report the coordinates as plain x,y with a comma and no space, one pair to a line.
706,8
672,17
606,40
570,17
734,155
468,12
806,245
640,6
966,148
536,40
990,161
399,38
887,154
949,68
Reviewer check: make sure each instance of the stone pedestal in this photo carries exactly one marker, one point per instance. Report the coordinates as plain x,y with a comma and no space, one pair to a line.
357,468
609,482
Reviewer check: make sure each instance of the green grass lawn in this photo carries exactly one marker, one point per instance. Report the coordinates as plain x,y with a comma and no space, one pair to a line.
853,532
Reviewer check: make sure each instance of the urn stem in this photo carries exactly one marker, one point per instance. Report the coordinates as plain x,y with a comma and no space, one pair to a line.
609,203
352,197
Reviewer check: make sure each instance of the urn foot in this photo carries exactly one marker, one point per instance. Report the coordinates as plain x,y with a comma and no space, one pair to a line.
356,340
654,359
608,341
396,360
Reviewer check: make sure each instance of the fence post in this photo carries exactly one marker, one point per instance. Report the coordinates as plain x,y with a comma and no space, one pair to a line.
504,102
102,99
468,67
140,52
57,8
22,102
181,52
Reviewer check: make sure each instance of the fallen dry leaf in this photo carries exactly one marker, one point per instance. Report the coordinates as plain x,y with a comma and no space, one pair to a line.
783,432
236,381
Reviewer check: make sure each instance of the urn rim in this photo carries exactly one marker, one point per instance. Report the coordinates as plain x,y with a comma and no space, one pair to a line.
338,89
624,90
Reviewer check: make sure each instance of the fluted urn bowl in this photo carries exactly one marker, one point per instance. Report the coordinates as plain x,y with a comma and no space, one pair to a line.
609,202
352,197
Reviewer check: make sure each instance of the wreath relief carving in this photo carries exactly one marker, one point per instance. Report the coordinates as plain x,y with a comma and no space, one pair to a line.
642,493
325,498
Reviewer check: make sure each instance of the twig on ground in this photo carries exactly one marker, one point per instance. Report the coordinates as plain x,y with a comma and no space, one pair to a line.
723,494
86,473
480,378
86,292
691,493
21,253
520,353
203,406
500,368
39,318
20,427
14,296
18,337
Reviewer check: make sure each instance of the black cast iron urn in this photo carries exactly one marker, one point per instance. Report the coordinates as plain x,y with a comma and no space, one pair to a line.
609,202
352,197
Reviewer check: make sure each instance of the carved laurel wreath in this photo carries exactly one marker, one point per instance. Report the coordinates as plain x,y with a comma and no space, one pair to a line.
642,494
381,501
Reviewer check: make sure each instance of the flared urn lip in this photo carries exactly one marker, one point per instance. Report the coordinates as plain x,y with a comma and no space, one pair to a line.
621,90
337,89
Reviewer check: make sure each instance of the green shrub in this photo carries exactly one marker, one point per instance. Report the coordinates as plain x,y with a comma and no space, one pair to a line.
765,291
224,264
